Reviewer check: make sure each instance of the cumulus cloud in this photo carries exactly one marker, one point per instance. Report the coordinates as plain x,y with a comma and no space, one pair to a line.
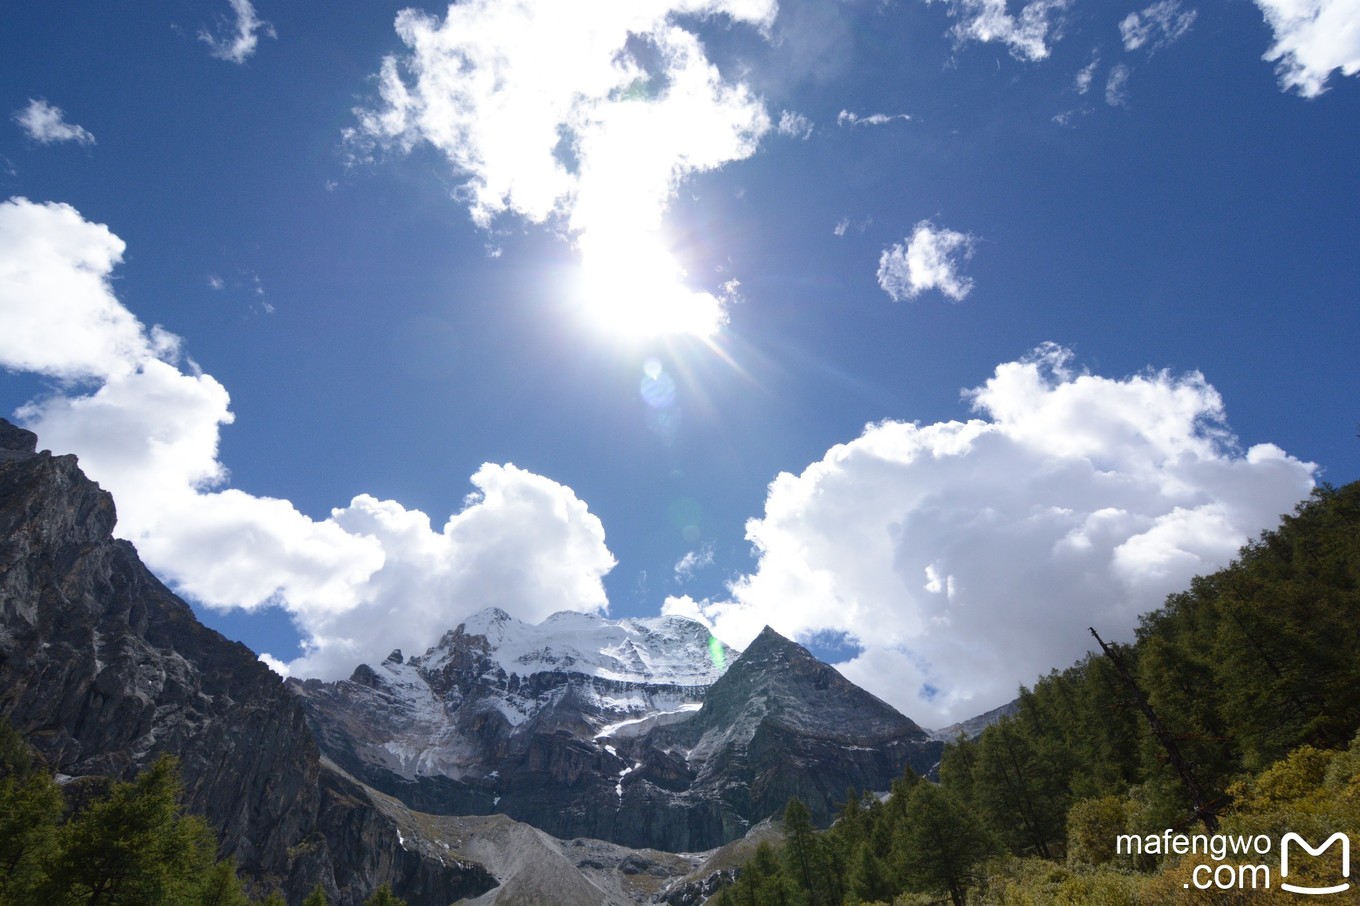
47,124
966,557
850,118
77,330
241,36
588,121
1028,33
371,577
1313,38
927,259
1157,26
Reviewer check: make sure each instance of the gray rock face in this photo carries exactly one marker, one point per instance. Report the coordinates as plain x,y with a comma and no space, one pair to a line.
781,723
578,750
102,669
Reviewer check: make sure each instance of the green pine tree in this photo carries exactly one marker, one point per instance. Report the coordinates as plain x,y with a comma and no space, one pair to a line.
135,847
383,896
941,844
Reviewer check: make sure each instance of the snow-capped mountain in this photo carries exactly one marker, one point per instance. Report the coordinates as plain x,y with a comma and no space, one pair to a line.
661,650
496,680
631,730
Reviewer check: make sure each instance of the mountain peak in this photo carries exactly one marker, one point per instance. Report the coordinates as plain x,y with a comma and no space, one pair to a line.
770,638
15,442
779,680
670,649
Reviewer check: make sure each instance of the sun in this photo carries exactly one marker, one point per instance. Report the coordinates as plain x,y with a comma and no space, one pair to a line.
632,286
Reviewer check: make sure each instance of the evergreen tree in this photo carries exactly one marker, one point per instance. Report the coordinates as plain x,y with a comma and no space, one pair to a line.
30,809
805,860
868,878
221,886
135,847
383,896
1020,784
761,882
941,844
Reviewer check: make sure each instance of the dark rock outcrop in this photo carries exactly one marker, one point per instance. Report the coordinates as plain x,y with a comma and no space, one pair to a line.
779,724
102,669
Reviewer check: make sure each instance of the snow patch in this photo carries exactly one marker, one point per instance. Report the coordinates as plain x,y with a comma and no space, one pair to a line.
615,728
618,787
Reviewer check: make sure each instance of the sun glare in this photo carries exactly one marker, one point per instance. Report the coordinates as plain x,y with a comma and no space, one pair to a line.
633,287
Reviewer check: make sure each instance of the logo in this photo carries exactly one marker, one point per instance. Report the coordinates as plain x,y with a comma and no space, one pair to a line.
1292,837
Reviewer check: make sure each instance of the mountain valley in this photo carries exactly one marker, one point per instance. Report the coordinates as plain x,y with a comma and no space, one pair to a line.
609,761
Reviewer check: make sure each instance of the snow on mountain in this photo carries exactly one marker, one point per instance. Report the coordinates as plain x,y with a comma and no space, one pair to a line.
632,730
659,650
488,686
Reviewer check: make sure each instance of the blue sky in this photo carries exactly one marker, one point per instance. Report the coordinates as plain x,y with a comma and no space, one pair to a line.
928,333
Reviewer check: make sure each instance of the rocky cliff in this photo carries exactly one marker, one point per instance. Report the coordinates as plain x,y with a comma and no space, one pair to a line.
626,731
102,669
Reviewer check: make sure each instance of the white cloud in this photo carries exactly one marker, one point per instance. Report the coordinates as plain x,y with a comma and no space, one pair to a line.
794,125
927,259
47,124
371,577
242,37
1117,85
852,119
1028,34
587,121
1086,76
50,253
845,225
965,558
1313,38
1157,26
693,561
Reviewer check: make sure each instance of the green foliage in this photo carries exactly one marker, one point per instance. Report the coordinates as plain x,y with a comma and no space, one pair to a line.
316,898
383,896
129,845
939,844
1093,825
135,847
16,759
1020,786
923,841
30,809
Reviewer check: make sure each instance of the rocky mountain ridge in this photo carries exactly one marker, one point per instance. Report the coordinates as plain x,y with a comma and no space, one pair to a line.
605,759
576,727
102,669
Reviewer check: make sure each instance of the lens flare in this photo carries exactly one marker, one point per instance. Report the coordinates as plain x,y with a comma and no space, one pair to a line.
716,653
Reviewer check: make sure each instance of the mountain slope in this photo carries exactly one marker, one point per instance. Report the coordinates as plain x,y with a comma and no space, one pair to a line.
626,731
505,717
785,724
102,668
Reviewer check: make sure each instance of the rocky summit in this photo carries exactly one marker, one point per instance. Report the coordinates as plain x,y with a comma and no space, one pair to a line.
633,731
